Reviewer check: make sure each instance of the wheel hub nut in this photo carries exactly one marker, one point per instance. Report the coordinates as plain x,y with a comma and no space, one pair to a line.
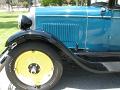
34,68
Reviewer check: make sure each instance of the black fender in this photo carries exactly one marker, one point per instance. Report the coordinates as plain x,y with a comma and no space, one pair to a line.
24,36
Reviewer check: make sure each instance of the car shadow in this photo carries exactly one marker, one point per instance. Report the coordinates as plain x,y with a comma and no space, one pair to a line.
77,78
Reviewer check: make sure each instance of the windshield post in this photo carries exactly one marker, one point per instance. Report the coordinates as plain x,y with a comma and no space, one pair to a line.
89,3
111,3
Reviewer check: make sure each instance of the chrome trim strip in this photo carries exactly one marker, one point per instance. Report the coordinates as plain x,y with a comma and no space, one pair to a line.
76,16
115,17
99,16
61,16
86,36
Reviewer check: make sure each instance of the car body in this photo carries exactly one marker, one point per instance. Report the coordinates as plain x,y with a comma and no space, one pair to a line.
87,35
90,28
78,31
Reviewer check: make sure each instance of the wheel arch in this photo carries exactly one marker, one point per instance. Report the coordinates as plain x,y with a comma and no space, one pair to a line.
37,36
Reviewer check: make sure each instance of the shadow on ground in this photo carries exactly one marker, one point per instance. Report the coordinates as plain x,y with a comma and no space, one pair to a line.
80,79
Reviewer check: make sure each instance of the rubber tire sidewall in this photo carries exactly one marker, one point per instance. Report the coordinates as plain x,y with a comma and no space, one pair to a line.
58,68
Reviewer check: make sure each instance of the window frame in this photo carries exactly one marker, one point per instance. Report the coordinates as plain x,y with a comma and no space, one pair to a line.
113,4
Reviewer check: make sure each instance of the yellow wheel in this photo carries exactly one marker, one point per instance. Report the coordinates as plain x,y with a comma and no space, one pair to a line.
34,68
34,65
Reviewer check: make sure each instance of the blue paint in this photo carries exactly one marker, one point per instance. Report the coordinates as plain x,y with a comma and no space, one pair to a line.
69,29
84,26
115,31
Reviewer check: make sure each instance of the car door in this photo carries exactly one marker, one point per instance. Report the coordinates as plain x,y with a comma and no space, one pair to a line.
99,22
115,28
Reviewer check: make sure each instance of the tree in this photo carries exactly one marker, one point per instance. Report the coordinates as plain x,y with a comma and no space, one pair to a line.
9,2
52,2
61,2
24,3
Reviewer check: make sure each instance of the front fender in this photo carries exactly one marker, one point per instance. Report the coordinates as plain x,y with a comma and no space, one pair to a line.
24,36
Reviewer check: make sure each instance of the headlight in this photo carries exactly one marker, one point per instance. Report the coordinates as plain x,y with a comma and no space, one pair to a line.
24,22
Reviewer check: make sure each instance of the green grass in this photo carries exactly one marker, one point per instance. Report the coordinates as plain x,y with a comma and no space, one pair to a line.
8,26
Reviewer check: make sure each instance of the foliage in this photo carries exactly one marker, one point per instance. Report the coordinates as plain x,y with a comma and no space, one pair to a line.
62,2
52,2
8,1
25,4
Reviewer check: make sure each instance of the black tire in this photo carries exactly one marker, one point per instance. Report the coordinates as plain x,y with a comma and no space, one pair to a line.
17,51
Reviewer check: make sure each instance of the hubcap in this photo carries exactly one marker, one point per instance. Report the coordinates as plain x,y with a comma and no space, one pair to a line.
34,68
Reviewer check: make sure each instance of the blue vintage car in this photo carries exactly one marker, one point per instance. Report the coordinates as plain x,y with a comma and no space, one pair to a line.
88,35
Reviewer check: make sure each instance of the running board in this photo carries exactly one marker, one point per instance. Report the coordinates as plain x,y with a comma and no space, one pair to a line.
110,61
99,54
112,66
